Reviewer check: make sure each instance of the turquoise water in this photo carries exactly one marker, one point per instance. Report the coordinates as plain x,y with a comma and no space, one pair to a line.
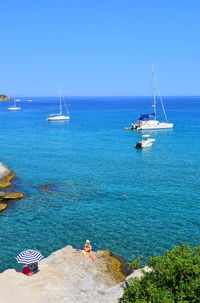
92,162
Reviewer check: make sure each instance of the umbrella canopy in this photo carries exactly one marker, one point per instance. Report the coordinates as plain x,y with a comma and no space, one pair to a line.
29,256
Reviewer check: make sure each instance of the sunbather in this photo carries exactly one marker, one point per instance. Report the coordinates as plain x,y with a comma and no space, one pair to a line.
87,246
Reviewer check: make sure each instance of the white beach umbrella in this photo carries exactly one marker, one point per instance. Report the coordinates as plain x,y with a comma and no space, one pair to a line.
29,256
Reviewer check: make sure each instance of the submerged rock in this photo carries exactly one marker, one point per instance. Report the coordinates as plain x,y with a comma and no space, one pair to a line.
47,187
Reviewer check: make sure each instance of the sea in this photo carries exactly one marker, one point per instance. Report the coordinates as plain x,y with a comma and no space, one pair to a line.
84,178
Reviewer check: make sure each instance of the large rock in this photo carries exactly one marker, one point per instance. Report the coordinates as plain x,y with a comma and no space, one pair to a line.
66,276
6,175
138,273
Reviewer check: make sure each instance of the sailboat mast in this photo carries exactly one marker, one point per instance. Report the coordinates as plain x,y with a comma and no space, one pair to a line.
14,99
154,91
60,106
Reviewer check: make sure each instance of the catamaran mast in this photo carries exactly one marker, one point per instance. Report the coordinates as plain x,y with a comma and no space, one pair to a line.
155,85
154,92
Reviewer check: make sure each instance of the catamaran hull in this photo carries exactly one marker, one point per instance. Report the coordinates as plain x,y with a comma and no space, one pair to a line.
159,126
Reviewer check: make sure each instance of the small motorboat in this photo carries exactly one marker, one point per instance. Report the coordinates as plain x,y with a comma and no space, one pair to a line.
146,142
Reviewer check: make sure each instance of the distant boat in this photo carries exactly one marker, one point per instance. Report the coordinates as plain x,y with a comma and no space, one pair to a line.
60,116
14,107
17,100
149,121
29,100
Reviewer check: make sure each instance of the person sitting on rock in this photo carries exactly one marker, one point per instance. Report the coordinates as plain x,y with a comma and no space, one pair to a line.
87,246
33,267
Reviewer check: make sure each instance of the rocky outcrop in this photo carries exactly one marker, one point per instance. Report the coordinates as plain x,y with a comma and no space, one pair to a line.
69,276
6,176
7,196
2,206
66,276
4,98
10,196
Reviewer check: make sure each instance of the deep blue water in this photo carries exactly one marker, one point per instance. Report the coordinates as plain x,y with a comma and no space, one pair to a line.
92,162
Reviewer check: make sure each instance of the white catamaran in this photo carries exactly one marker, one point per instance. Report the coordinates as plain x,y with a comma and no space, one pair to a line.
149,121
60,116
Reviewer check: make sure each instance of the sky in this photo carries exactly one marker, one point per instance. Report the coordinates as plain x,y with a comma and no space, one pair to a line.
99,48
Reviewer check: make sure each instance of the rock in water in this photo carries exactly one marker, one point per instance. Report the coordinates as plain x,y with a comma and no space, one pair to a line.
2,206
10,196
6,175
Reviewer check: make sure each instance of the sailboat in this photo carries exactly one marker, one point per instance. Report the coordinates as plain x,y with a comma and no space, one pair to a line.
14,107
60,116
150,121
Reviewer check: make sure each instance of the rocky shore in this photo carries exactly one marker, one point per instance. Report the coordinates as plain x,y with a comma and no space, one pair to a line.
4,98
67,276
6,177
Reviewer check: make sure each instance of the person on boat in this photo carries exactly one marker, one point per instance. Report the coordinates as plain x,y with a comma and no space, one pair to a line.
87,246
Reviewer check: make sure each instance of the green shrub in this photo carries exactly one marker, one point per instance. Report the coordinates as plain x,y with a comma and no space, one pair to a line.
135,264
175,278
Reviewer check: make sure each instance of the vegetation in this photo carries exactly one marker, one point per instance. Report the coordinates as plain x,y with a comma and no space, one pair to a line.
135,264
175,278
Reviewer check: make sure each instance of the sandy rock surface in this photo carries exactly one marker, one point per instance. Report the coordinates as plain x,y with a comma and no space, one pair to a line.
66,276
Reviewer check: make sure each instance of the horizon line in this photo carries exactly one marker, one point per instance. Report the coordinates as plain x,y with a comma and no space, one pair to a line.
107,96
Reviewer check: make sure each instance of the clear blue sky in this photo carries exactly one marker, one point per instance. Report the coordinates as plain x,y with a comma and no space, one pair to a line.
99,47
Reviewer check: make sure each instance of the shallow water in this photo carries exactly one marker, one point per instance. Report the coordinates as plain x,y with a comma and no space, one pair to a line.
91,162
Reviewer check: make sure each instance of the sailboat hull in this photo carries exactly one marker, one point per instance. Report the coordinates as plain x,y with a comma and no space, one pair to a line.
58,118
14,108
